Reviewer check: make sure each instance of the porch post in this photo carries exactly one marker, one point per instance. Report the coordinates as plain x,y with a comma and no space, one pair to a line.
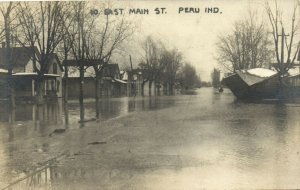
32,87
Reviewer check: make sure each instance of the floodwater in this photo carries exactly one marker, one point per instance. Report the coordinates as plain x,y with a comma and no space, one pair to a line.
201,140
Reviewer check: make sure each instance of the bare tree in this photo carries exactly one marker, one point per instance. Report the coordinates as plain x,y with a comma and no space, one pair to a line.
151,66
94,41
65,47
281,43
159,66
42,24
112,32
78,32
9,16
172,61
247,46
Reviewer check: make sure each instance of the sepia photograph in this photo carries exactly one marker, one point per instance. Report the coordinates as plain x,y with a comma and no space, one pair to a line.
149,94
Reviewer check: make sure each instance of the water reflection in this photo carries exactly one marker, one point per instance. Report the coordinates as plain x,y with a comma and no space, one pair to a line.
48,113
42,178
116,107
57,112
280,115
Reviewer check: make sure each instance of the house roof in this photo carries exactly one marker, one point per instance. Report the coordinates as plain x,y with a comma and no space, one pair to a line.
261,72
257,75
112,67
20,55
34,75
112,70
294,72
74,62
109,70
3,71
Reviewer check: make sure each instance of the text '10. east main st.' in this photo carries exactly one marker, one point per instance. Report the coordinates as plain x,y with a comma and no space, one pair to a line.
157,11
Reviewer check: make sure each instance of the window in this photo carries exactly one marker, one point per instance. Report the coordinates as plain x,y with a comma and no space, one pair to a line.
55,68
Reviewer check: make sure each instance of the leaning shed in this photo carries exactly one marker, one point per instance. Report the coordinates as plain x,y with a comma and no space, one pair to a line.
257,83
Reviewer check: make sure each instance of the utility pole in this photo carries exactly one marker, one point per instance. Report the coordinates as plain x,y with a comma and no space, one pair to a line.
281,65
282,46
130,79
283,35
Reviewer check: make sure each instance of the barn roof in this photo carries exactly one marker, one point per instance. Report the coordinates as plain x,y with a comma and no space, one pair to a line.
256,75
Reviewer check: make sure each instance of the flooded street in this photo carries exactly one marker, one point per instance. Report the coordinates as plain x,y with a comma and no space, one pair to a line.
201,140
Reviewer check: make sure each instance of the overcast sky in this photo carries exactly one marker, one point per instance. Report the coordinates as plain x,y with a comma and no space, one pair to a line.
195,35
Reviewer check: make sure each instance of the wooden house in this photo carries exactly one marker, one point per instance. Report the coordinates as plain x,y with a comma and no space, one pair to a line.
25,76
110,81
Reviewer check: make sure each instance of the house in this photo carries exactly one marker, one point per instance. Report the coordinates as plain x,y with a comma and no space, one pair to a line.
71,81
110,82
25,76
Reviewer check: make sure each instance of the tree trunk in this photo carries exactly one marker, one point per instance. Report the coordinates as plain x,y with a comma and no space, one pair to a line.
66,114
66,85
142,88
11,90
155,88
129,90
40,90
158,89
11,86
81,82
150,88
171,89
164,89
97,95
12,116
167,88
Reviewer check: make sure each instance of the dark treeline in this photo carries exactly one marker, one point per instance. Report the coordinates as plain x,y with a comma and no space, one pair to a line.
165,68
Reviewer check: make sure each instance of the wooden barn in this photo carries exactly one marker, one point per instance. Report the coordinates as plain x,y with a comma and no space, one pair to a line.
258,83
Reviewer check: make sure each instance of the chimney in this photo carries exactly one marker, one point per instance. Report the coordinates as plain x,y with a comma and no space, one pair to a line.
3,44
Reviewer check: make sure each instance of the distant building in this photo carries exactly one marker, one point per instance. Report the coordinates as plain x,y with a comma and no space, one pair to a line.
134,81
110,81
25,75
71,80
